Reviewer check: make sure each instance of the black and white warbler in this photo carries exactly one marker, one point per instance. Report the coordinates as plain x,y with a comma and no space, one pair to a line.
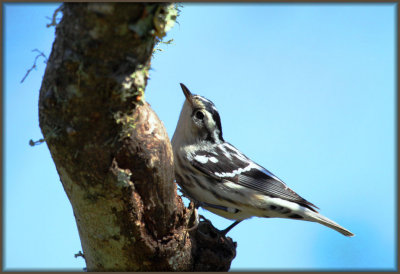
221,179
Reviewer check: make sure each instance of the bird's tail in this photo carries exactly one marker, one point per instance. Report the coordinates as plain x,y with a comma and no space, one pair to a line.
316,217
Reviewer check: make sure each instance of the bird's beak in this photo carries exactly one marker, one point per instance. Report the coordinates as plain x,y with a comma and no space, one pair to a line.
187,93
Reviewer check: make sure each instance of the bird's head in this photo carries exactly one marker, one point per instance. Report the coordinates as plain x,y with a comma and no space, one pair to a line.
199,120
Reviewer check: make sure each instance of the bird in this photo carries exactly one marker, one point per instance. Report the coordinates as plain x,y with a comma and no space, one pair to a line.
216,176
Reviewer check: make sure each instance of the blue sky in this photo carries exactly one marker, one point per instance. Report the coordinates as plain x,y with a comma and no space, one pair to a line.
305,90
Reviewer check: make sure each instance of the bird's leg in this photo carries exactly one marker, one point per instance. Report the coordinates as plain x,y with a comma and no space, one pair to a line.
226,230
204,219
196,205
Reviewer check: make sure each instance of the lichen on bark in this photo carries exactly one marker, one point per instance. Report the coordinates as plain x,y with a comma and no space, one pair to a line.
110,149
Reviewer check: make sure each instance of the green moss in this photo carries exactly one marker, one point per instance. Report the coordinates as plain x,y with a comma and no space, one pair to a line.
164,19
128,122
123,178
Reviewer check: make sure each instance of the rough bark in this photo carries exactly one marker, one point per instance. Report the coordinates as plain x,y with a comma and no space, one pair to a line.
111,150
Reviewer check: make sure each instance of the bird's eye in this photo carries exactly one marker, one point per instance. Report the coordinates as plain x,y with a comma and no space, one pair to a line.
199,115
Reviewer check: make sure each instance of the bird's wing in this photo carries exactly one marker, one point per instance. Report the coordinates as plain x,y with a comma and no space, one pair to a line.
225,162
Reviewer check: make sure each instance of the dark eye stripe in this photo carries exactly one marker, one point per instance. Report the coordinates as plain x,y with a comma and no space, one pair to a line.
217,120
215,115
210,107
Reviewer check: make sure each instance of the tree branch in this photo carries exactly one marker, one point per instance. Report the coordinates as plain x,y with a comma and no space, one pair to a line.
111,150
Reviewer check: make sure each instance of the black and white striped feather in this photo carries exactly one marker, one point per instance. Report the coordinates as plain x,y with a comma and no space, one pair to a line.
222,179
225,162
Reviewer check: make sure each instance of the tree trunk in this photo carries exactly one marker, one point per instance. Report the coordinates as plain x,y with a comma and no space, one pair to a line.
111,151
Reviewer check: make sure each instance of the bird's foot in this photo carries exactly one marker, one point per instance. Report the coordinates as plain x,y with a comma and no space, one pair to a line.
216,230
204,219
226,230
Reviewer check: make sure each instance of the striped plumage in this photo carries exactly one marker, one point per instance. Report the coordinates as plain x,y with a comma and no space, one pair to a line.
223,180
